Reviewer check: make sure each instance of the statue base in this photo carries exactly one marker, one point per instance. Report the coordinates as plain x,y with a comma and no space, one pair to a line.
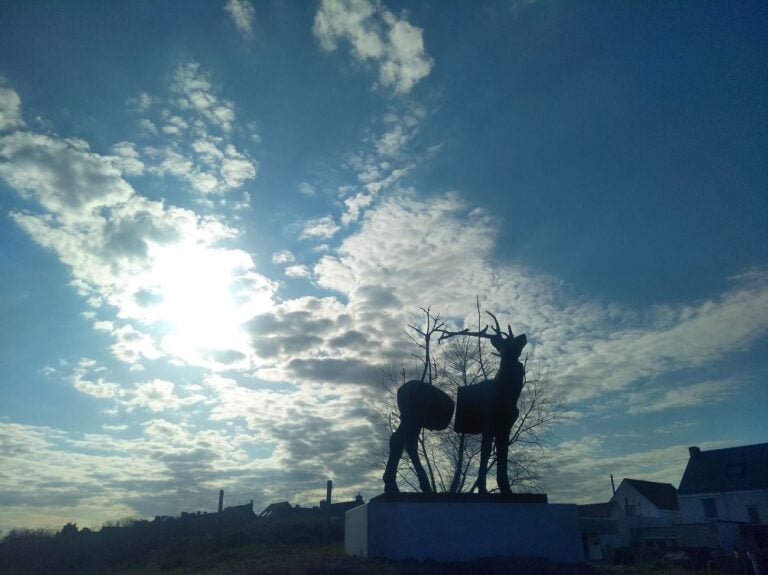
444,527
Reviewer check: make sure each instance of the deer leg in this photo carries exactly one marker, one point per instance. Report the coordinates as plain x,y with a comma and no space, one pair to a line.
502,452
412,447
485,454
396,446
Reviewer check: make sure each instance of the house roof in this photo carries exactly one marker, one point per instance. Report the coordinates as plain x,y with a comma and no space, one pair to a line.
731,469
596,510
662,495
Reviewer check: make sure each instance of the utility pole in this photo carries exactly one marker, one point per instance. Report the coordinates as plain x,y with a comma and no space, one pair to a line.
327,510
218,516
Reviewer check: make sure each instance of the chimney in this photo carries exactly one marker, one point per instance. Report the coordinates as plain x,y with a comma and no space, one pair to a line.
221,500
613,485
693,451
328,491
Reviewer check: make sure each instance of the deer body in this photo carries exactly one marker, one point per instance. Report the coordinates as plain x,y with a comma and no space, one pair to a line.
488,407
421,405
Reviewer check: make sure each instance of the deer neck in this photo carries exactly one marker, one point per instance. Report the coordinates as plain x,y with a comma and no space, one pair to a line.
505,375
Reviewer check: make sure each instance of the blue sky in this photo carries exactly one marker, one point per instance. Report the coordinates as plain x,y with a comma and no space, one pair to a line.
218,217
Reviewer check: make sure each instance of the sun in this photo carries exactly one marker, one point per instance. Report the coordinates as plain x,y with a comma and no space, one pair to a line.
202,297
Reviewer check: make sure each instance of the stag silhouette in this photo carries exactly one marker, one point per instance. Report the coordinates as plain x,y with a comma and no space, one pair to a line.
488,407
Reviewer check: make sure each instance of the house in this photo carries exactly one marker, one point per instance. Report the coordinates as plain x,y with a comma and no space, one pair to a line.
600,531
337,510
655,502
727,485
285,510
638,516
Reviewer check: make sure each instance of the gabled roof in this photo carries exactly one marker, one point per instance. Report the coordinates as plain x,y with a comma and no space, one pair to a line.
731,469
662,495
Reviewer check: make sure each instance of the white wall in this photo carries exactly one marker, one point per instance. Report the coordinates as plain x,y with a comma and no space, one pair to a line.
731,506
628,494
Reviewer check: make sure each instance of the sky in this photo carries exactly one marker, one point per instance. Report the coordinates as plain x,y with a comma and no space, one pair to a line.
217,219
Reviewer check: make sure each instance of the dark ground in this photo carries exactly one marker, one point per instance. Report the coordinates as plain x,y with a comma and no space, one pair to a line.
266,547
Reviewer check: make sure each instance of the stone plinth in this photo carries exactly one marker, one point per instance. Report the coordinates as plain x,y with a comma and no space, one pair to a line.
469,528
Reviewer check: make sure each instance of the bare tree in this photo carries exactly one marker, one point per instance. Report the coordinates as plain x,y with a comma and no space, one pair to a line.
451,459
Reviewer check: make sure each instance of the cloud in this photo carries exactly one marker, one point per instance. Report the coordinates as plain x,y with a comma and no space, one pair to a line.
158,395
576,465
323,228
63,175
194,91
131,345
375,34
283,257
355,205
195,139
243,16
683,396
307,189
10,109
126,158
156,266
297,271
675,338
93,386
332,370
438,252
52,476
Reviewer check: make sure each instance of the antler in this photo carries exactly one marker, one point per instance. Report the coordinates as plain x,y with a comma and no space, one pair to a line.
482,333
447,334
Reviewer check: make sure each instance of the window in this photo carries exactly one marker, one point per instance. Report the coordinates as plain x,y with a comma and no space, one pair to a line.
735,469
710,508
754,516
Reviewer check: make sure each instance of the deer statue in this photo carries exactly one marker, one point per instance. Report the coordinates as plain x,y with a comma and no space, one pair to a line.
488,407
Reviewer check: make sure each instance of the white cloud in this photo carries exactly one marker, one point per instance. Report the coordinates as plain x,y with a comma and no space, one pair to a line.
243,16
126,158
84,379
675,338
438,252
297,271
63,175
323,228
355,205
142,102
120,247
131,345
683,396
10,109
307,189
577,464
198,127
53,476
283,257
375,34
158,395
236,168
195,91
147,126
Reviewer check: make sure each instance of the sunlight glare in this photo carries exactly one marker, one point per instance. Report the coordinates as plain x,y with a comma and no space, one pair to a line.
198,304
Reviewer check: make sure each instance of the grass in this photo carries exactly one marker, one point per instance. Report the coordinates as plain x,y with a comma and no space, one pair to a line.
303,547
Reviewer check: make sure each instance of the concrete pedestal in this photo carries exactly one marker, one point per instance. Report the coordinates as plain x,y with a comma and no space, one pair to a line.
463,531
